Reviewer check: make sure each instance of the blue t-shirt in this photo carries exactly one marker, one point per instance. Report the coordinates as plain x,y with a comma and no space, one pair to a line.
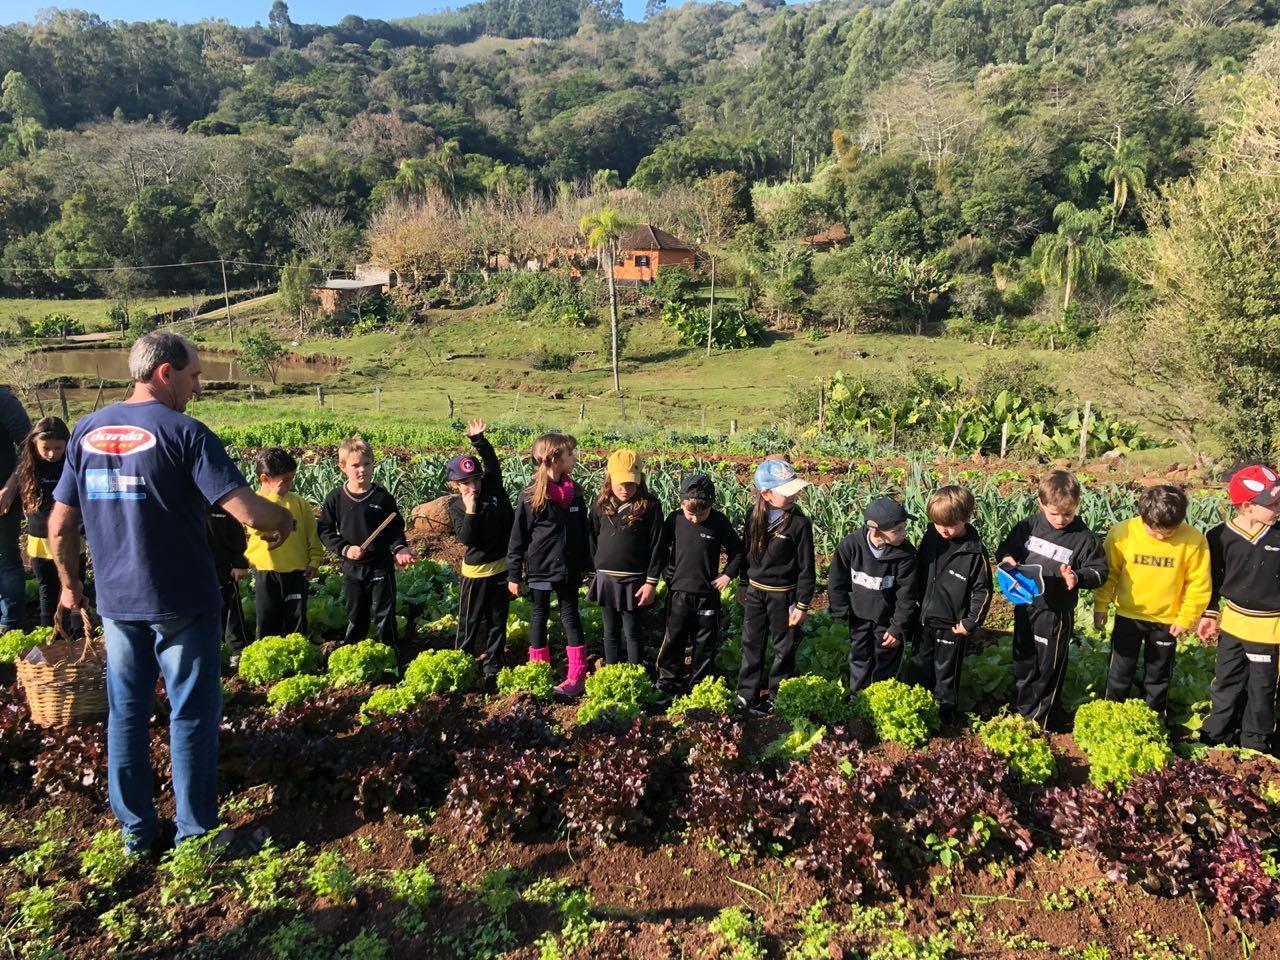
141,475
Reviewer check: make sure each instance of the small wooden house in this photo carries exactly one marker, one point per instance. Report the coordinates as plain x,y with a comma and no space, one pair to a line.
339,295
835,236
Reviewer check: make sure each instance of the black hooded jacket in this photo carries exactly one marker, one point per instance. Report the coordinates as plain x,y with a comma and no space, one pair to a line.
486,532
1035,541
956,579
552,545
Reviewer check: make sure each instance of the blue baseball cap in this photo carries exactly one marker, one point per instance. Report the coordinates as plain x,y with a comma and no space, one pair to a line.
463,467
780,477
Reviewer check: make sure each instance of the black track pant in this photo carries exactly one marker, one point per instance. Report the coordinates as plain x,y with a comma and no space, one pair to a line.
622,625
765,614
692,618
1244,693
936,658
49,585
280,602
482,619
1041,639
570,617
869,660
49,592
370,591
234,634
1156,646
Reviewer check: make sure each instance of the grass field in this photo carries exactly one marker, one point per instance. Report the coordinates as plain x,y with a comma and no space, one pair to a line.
92,314
485,363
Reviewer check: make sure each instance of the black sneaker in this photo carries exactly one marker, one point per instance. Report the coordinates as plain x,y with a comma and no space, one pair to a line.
761,708
741,706
489,684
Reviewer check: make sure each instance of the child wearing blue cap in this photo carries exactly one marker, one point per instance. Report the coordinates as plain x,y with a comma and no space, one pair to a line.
1054,544
481,516
780,583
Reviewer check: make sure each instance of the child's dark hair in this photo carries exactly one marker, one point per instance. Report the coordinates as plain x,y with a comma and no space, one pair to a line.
275,462
46,428
759,538
608,504
1163,506
697,504
950,506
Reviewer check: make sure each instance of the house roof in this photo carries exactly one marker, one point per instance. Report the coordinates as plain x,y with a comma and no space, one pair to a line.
648,237
351,284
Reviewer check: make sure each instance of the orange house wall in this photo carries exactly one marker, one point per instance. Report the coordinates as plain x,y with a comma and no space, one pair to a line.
628,272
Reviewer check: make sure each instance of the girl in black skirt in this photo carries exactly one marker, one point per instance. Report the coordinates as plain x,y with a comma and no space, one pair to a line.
626,524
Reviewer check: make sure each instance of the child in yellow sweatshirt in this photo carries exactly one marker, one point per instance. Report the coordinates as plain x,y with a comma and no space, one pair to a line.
1159,581
280,575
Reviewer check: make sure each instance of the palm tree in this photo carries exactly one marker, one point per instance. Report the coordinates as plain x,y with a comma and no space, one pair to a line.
1127,174
1075,252
603,229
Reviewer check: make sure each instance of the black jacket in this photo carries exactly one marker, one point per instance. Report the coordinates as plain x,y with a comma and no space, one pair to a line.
1245,569
227,540
880,589
688,554
787,561
1035,541
956,576
346,521
552,545
621,546
486,532
47,476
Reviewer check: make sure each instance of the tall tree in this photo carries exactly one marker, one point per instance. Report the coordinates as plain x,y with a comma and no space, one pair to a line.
19,99
279,22
603,230
721,204
1075,252
654,7
1127,174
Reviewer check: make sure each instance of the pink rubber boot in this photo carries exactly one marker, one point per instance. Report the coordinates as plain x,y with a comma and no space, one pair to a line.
571,689
539,654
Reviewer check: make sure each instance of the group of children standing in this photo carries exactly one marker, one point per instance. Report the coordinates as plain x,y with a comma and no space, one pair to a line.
1163,577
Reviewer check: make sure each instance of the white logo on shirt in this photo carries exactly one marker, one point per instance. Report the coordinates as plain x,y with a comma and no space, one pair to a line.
870,582
1054,551
958,575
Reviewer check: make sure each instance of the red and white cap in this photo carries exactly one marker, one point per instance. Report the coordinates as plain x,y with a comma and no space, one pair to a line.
1256,484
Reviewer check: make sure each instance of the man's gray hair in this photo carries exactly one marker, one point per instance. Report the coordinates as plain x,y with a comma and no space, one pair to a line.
160,346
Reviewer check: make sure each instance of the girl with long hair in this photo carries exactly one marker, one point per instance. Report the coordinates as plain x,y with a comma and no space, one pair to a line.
550,551
43,455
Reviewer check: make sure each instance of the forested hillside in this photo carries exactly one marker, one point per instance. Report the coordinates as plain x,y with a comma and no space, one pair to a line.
996,162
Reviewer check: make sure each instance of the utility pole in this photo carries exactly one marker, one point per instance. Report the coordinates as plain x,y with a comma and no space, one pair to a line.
226,299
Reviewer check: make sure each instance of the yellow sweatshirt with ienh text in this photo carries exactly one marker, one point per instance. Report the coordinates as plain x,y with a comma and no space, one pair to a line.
300,550
1161,581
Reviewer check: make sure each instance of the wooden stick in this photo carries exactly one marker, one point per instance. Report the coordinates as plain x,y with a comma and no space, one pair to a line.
374,536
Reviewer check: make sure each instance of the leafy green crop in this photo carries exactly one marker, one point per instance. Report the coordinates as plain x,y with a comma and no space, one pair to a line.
1021,742
533,678
273,658
897,712
15,643
709,693
389,700
366,661
441,671
332,877
295,690
811,698
1120,740
620,690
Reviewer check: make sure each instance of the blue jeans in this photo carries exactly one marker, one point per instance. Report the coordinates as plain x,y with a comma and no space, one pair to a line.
186,651
13,581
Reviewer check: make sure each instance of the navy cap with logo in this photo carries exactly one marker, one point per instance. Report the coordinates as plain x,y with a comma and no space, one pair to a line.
697,486
463,467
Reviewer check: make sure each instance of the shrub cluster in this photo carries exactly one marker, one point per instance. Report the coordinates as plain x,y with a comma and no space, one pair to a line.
273,658
811,698
619,691
441,671
897,712
1120,740
533,678
1021,742
367,661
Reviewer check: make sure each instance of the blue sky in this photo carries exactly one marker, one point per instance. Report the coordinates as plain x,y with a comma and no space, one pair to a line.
245,12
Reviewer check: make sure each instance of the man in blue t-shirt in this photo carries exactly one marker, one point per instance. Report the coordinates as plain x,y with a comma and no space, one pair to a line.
140,474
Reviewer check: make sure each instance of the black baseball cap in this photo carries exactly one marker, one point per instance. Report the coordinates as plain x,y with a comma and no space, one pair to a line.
697,486
885,513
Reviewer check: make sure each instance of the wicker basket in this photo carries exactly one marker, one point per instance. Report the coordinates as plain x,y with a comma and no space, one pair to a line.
71,686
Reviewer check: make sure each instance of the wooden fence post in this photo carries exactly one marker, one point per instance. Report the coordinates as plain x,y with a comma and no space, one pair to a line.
955,436
98,399
1084,429
62,399
450,399
320,397
703,418
733,427
822,405
1004,439
515,407
377,399
582,411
